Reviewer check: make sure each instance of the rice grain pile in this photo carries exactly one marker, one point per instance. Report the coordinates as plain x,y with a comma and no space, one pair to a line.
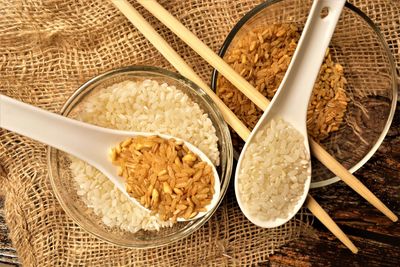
273,171
165,176
262,57
138,106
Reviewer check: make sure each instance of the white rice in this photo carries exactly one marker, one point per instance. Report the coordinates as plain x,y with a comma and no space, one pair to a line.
273,171
138,106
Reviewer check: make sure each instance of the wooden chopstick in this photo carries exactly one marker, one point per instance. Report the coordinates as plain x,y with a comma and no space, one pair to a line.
314,207
173,57
257,98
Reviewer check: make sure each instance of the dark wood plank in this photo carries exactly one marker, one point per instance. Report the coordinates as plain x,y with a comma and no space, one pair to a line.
8,254
381,174
326,251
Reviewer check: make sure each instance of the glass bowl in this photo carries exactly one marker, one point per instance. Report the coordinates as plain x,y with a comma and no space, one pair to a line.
64,185
369,69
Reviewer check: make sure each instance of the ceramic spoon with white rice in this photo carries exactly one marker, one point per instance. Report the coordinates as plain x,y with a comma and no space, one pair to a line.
85,141
270,191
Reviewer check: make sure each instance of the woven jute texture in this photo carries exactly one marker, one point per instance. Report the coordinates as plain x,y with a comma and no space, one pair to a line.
48,48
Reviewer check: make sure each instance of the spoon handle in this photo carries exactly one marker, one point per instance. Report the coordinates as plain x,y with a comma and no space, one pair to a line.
52,129
303,70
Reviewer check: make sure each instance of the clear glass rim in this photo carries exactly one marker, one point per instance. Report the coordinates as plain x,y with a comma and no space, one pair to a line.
392,64
85,89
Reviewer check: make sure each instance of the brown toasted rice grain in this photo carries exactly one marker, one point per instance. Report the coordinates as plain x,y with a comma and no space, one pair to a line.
164,176
262,57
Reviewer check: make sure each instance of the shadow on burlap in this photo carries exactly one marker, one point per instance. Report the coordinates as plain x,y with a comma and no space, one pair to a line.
47,50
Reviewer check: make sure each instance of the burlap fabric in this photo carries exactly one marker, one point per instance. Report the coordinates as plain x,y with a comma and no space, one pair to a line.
48,48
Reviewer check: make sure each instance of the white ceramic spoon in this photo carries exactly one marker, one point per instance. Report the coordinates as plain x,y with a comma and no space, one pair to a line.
85,141
291,100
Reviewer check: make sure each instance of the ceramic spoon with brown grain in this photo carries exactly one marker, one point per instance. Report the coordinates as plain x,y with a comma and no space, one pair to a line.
85,141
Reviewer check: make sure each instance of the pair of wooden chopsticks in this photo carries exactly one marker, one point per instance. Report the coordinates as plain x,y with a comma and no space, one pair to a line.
206,53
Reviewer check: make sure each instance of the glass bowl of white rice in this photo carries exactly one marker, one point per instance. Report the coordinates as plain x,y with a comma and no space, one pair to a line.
137,98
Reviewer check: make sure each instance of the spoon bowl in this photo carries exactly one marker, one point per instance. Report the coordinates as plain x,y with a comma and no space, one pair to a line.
291,100
86,141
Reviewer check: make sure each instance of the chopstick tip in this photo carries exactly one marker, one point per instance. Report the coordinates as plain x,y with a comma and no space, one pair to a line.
354,250
390,214
350,245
